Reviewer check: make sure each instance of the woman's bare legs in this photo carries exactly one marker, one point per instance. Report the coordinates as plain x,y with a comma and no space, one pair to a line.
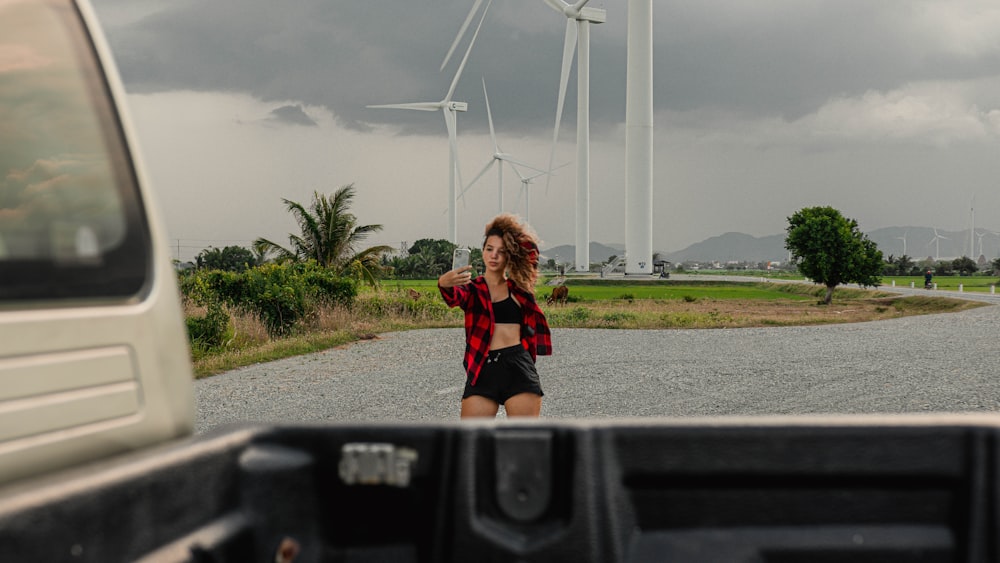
478,406
524,404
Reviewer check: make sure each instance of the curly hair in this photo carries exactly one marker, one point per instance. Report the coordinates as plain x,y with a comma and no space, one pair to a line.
521,244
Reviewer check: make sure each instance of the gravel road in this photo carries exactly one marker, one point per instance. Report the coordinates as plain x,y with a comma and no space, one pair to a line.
931,363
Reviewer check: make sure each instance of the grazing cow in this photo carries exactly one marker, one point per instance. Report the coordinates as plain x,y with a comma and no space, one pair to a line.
559,294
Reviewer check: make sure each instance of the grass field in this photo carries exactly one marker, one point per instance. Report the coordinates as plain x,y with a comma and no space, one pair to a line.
590,290
653,289
593,303
951,283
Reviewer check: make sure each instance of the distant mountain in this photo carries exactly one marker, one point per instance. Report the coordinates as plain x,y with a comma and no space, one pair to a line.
598,252
741,247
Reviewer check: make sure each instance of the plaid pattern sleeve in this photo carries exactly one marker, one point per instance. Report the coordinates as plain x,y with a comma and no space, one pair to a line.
535,334
474,299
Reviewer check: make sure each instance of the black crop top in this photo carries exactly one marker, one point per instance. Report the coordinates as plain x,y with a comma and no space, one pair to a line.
506,311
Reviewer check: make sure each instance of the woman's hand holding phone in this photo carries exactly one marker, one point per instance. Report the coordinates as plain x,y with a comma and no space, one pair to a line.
451,278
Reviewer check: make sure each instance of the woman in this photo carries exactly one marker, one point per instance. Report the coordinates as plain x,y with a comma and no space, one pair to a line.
505,330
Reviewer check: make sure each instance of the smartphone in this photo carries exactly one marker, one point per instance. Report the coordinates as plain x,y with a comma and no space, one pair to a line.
460,258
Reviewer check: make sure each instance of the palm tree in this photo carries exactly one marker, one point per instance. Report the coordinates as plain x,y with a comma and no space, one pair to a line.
331,236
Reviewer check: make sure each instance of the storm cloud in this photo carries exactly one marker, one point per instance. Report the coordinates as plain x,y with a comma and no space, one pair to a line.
887,110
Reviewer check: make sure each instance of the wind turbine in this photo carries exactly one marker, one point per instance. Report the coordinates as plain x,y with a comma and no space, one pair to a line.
903,238
450,109
525,190
499,157
936,241
981,235
577,38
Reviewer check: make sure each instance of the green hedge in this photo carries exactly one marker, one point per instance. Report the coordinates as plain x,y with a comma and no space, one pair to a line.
279,294
211,331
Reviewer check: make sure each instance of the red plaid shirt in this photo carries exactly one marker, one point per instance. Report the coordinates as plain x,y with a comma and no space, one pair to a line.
474,299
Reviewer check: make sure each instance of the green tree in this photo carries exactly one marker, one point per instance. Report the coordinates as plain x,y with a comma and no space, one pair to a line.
331,236
230,259
431,257
901,266
965,266
830,249
943,268
889,267
904,265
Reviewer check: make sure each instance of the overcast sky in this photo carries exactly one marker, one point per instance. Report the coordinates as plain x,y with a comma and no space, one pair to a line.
888,111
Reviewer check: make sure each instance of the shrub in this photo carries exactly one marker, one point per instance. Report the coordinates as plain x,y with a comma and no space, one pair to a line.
210,331
617,319
402,304
279,294
575,316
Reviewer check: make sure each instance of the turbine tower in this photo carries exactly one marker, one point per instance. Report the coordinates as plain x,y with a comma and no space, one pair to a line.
639,140
450,110
578,20
972,230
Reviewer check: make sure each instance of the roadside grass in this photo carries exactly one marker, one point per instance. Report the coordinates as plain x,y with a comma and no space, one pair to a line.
950,283
409,305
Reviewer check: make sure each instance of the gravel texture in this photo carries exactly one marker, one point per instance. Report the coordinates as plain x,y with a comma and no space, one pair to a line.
930,363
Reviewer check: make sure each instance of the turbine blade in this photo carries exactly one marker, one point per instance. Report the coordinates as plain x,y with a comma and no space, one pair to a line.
579,6
519,163
519,175
569,48
563,165
556,5
480,175
419,106
461,32
489,115
458,74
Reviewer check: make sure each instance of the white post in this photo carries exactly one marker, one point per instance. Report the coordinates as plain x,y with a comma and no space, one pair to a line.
583,148
960,287
993,289
639,139
893,283
911,285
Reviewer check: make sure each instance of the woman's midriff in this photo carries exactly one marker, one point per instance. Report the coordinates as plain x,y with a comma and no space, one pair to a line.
505,335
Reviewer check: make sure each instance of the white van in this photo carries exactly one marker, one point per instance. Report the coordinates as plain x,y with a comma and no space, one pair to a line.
93,352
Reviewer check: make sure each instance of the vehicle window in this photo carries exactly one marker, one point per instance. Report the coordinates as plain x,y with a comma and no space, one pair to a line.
68,201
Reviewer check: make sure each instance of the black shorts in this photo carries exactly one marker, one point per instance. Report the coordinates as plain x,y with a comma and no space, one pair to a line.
507,372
